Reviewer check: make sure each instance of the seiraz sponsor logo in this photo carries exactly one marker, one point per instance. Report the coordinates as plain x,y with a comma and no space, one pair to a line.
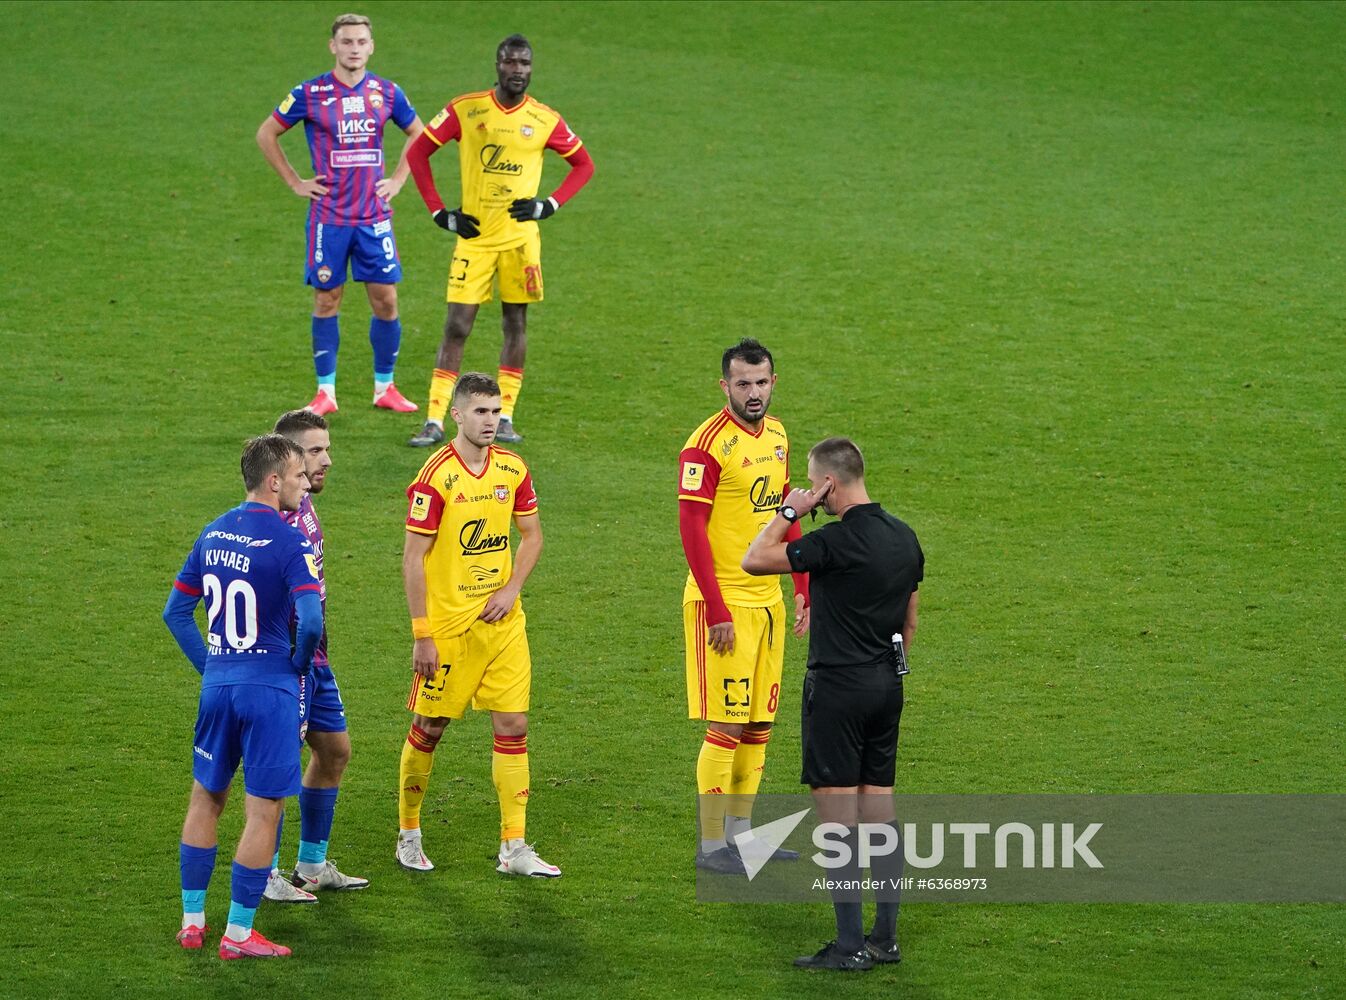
762,496
476,540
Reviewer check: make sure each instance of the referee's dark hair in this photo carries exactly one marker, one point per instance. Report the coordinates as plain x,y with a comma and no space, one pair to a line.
839,456
267,454
515,41
747,350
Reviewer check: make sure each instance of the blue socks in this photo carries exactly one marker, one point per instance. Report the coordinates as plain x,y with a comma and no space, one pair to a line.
280,828
326,340
317,806
245,895
385,337
196,865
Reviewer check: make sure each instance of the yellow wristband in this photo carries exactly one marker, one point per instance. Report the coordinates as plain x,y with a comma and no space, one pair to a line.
420,628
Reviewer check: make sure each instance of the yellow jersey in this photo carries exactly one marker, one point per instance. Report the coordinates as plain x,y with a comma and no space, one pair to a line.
744,477
500,158
469,514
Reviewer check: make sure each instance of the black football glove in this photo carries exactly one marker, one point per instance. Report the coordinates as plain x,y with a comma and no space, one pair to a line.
458,221
532,209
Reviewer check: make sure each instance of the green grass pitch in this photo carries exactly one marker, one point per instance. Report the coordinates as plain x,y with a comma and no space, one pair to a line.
1070,274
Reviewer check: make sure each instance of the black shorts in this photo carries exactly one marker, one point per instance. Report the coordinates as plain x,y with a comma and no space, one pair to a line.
849,729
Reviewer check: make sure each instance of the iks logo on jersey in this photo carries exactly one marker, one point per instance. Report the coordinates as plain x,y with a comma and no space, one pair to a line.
763,497
502,494
476,540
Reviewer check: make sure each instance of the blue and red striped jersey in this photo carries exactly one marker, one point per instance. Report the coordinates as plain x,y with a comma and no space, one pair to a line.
306,520
344,126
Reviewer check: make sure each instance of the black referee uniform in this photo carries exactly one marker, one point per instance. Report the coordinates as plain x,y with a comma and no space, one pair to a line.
862,571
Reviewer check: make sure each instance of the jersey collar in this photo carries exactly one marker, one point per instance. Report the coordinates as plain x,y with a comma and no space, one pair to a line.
508,111
253,507
739,424
462,463
331,75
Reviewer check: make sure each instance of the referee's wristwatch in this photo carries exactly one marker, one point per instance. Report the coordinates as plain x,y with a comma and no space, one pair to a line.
788,512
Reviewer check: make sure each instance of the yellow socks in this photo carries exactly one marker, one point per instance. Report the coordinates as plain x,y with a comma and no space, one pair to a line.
441,393
511,381
509,771
749,761
414,773
714,777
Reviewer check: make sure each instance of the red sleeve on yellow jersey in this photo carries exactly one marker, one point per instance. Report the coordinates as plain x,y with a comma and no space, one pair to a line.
525,497
426,507
562,140
445,126
698,475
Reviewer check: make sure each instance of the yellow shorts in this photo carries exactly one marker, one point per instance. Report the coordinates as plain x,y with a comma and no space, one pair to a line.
488,665
520,268
743,686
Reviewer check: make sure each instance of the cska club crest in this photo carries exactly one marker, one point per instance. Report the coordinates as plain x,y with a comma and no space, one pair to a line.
502,494
324,274
375,99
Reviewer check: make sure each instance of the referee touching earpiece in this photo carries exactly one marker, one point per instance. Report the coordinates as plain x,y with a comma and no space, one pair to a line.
863,573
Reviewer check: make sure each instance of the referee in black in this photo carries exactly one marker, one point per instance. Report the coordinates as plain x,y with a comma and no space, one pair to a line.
863,573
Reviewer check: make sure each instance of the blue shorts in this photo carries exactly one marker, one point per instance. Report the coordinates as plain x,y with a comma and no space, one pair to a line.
323,711
370,250
254,724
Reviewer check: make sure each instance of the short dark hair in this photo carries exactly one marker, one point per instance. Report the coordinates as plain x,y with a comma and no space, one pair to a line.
747,350
839,456
515,41
295,422
474,384
264,455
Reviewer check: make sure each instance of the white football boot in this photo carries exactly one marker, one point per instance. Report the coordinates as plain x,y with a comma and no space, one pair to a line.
523,860
328,878
410,856
279,890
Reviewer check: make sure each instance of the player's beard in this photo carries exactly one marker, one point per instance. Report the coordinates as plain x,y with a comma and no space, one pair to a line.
742,411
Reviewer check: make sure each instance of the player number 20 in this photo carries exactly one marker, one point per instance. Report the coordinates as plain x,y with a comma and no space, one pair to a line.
239,604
